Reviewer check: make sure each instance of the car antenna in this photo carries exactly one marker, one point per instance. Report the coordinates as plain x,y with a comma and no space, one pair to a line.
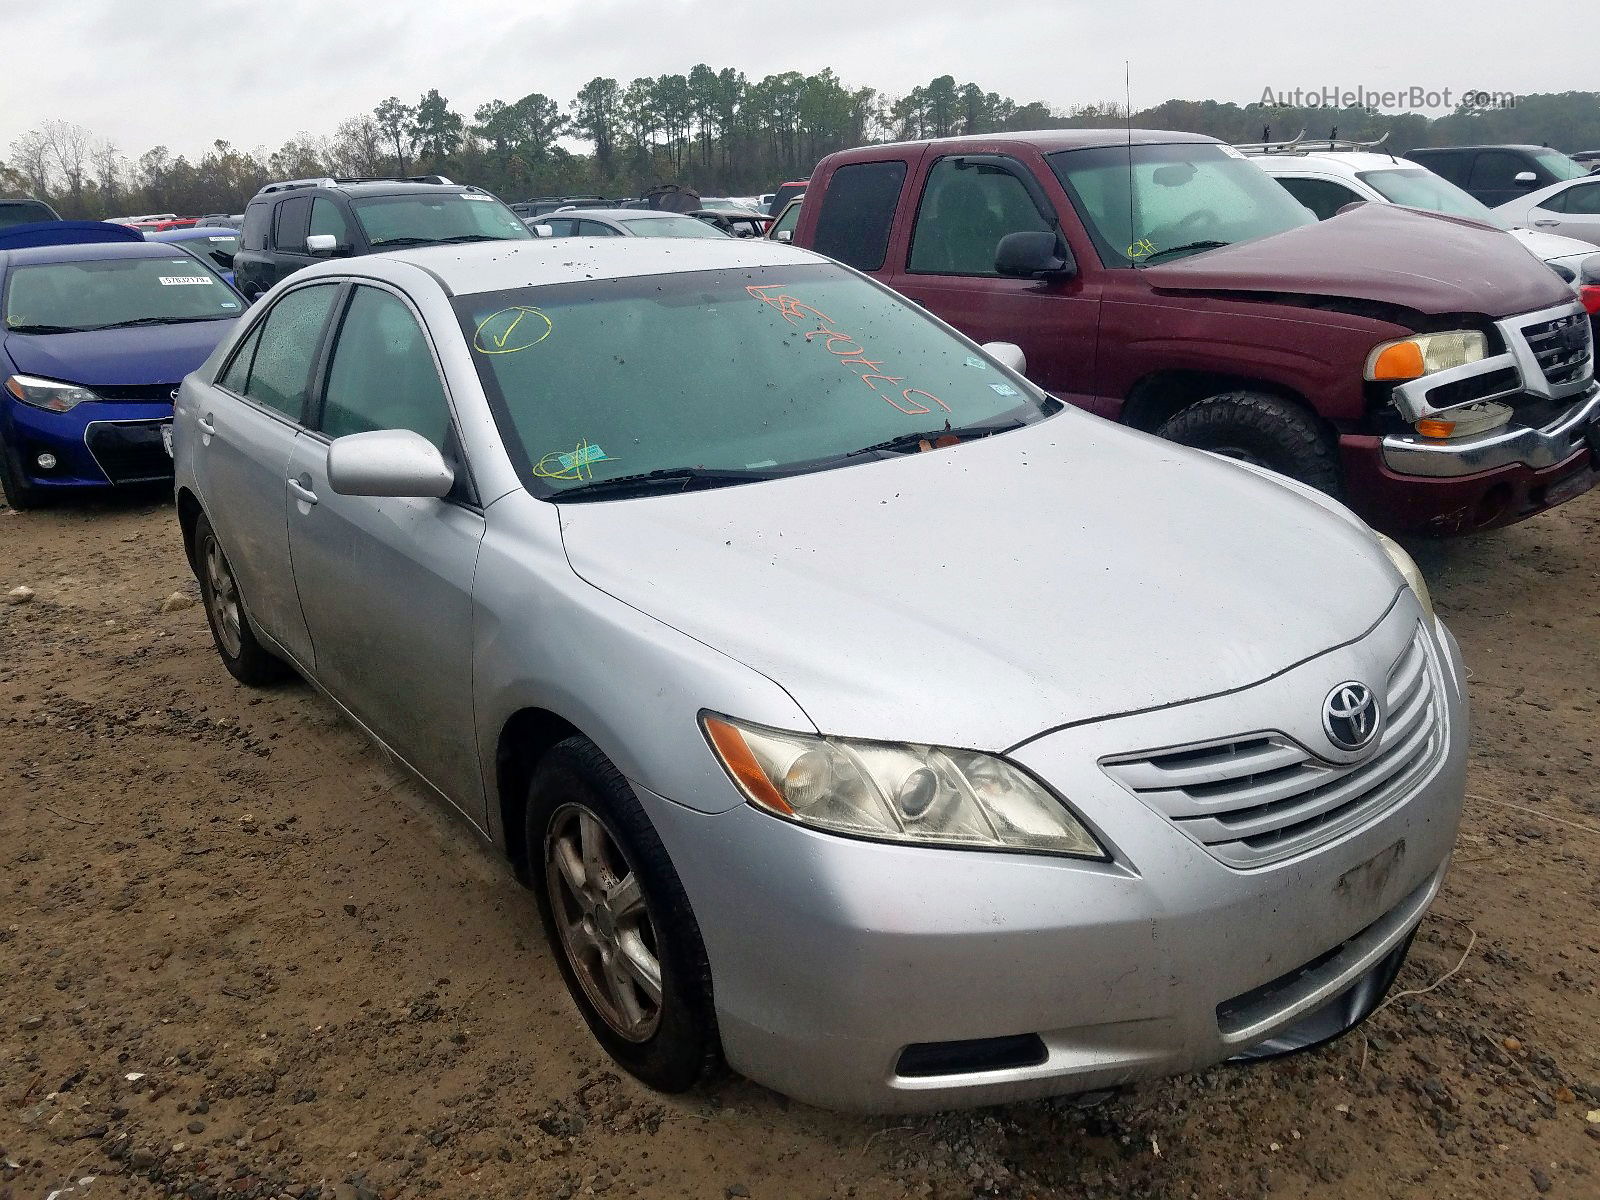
1127,116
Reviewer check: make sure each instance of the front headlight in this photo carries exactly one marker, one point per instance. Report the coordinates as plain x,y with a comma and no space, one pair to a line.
1414,357
1407,566
47,393
896,791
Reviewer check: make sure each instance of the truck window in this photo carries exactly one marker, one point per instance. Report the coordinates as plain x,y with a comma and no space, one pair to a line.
1321,196
257,217
857,211
1449,164
1497,171
966,209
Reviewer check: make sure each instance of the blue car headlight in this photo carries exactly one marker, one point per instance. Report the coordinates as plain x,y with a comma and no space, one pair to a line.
48,393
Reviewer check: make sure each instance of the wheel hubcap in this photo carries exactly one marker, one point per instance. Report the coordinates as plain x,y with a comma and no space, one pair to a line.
604,922
222,599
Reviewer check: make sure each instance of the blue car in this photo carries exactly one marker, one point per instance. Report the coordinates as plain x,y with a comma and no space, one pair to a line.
216,245
96,332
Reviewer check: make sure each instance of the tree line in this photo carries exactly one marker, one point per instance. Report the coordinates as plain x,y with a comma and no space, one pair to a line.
713,129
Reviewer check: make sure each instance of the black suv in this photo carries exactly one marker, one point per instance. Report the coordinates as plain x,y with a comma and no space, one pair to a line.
292,225
1496,175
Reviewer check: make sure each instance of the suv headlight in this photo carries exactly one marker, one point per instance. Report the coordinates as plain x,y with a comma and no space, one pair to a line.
896,791
1414,357
1407,566
47,393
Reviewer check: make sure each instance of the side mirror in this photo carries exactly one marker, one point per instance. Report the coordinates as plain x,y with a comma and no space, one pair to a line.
1525,179
388,462
224,259
544,230
1036,254
321,243
783,235
1008,354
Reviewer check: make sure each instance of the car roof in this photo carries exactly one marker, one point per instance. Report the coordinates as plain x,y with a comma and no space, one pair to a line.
82,252
376,187
1047,141
473,267
191,232
1339,162
1496,146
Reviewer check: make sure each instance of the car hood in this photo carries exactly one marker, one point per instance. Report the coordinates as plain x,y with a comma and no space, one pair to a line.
1550,246
141,356
979,595
1427,262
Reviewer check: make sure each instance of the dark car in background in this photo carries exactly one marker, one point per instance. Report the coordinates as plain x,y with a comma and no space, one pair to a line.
293,224
1494,175
25,211
785,193
96,333
625,222
215,244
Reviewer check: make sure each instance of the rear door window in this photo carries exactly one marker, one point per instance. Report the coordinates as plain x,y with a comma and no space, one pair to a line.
289,228
284,349
857,213
1452,166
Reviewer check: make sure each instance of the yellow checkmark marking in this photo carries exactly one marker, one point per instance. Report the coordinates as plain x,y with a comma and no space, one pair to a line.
486,341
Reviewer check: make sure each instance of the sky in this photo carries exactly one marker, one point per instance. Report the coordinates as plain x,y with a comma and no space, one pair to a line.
256,72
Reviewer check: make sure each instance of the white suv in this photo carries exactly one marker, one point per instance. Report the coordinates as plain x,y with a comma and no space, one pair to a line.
1327,180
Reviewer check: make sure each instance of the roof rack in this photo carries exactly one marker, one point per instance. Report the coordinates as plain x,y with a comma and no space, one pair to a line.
290,185
1300,145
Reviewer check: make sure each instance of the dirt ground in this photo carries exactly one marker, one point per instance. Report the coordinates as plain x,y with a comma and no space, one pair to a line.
241,956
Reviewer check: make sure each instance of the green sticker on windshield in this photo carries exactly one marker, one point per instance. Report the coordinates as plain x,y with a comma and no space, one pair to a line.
573,464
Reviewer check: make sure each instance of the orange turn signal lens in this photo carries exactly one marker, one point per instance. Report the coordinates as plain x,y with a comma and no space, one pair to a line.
1433,427
735,753
1399,361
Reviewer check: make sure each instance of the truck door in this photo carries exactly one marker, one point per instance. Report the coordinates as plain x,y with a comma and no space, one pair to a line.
964,205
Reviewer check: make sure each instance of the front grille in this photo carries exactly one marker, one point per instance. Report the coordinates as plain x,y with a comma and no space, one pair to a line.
1255,799
1474,388
146,392
129,451
1562,347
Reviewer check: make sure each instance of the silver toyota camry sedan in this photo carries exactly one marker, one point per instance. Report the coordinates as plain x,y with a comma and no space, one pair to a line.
858,714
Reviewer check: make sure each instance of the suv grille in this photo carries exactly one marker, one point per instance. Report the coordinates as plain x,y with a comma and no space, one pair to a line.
1562,347
1256,799
129,451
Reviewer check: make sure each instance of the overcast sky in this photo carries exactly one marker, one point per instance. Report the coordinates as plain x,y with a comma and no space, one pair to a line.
257,71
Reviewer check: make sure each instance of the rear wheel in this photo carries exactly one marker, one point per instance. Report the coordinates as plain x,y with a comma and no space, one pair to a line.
20,494
1265,431
617,917
241,652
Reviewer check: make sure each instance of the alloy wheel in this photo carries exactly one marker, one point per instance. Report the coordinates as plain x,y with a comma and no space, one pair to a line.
222,599
604,921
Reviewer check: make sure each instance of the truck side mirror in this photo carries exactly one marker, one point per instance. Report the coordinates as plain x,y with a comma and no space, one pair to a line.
1035,254
1525,179
321,243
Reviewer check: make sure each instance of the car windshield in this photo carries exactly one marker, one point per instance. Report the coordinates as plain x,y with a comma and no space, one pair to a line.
671,227
213,245
23,212
1424,189
1559,165
751,372
1151,204
418,218
67,297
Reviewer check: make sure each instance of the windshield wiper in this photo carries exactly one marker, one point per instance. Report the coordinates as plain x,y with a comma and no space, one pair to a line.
913,441
468,237
1210,244
404,241
160,321
664,479
44,329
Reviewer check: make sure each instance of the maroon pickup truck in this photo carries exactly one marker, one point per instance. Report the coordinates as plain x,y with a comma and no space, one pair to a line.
1426,369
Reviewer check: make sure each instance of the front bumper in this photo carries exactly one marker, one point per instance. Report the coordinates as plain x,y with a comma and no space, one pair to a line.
1408,484
830,956
96,444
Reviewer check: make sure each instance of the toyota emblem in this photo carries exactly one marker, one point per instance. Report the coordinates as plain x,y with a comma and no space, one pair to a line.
1350,716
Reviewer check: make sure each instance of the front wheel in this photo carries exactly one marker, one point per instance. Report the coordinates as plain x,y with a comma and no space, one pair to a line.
241,651
1263,430
20,494
619,921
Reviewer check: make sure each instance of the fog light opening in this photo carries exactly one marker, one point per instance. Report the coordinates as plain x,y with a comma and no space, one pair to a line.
924,1059
46,462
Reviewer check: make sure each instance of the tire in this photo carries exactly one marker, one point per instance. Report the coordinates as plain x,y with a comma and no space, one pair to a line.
1260,429
241,651
20,494
623,907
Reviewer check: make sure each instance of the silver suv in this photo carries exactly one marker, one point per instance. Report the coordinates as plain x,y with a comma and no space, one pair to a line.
855,710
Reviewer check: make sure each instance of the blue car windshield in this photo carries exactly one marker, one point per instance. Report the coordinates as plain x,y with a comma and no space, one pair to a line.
68,297
742,372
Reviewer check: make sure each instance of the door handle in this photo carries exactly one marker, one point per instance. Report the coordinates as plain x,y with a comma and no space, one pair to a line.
1547,224
302,492
207,425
